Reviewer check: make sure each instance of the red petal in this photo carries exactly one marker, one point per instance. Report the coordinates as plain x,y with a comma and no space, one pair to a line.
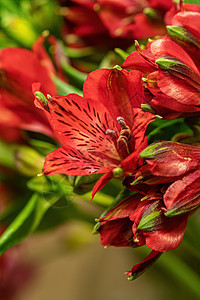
71,161
159,232
136,62
171,159
130,163
19,76
41,52
122,210
183,88
17,113
141,267
117,233
82,124
102,182
169,108
168,235
184,194
166,47
142,28
118,90
189,20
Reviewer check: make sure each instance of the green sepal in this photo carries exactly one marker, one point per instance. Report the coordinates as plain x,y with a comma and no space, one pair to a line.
179,211
148,221
151,151
169,63
181,34
65,88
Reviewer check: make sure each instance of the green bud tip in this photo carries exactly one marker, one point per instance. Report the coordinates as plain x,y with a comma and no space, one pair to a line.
158,117
137,44
150,12
136,240
45,33
146,107
131,278
41,97
97,220
117,67
136,181
117,172
39,175
49,97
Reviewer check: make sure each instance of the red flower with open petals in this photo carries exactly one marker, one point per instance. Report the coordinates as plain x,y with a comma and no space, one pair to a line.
99,139
16,98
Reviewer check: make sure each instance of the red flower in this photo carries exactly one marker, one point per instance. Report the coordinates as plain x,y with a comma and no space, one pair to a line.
101,132
16,98
114,23
172,79
178,164
134,223
170,68
83,27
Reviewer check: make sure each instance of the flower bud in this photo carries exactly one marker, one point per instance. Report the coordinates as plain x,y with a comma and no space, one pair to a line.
28,161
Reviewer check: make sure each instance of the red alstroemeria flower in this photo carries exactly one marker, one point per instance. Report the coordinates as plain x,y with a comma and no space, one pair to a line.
16,98
113,23
177,165
135,223
133,19
101,133
83,27
171,76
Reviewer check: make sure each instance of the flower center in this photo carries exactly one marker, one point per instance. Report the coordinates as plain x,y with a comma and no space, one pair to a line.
121,143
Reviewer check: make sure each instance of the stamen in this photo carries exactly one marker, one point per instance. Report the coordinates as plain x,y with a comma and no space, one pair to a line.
124,137
110,132
49,97
121,122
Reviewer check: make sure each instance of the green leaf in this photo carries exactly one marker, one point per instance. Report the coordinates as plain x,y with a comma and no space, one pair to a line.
166,129
197,2
123,54
78,53
6,155
27,220
50,184
65,88
73,74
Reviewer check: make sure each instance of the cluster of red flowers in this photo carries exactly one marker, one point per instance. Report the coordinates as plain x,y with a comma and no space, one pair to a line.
103,131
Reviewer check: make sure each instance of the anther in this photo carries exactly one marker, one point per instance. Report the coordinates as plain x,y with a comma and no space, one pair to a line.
121,122
110,132
49,97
